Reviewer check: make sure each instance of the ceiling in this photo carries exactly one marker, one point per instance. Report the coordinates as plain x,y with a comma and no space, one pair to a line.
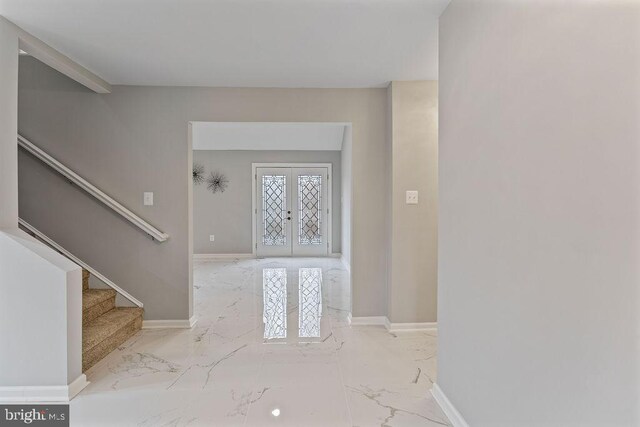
240,43
267,136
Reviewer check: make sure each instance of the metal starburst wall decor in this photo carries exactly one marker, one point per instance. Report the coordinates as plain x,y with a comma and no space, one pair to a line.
217,182
198,174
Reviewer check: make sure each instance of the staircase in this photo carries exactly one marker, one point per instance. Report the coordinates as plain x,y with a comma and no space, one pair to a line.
104,326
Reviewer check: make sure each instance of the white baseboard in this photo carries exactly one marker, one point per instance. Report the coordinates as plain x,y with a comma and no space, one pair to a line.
223,256
366,321
77,386
391,327
170,324
335,255
447,407
345,263
63,393
423,326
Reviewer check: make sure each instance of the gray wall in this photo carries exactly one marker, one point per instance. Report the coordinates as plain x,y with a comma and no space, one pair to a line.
136,139
539,234
119,143
8,125
413,279
228,215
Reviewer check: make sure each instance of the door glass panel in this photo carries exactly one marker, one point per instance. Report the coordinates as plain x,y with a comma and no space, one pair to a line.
274,288
310,302
274,210
309,209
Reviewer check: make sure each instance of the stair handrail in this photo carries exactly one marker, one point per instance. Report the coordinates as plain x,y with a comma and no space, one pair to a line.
43,237
92,190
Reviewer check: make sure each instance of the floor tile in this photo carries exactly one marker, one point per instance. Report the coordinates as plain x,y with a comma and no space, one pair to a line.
302,404
272,346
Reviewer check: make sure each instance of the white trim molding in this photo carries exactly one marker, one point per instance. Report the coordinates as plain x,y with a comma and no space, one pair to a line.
346,263
367,321
56,60
398,327
92,190
391,327
455,417
223,256
63,393
170,324
77,386
43,237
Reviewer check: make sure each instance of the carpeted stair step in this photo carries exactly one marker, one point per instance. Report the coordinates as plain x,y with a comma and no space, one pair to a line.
105,333
96,302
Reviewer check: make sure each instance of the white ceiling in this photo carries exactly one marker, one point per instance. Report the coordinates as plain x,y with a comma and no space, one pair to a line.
267,136
240,43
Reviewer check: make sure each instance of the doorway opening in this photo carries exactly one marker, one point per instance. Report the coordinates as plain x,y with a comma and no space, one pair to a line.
308,221
292,209
313,198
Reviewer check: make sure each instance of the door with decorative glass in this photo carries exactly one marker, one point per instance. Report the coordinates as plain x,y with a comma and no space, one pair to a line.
292,211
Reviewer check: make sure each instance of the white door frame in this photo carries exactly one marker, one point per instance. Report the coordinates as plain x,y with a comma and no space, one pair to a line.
254,195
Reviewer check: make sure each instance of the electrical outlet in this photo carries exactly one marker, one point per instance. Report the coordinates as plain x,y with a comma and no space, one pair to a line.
212,237
412,197
148,198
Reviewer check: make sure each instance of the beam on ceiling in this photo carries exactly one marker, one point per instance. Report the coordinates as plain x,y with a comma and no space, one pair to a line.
56,60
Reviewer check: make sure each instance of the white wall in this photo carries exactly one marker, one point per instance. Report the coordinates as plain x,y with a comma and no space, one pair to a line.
413,274
539,233
345,193
40,315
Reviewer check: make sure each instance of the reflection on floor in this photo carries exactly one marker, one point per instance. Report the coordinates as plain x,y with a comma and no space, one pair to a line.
272,346
274,288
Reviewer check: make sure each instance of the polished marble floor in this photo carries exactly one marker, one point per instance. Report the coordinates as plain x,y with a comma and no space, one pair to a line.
272,346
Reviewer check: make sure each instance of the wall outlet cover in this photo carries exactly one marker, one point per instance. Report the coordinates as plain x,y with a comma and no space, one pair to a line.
212,237
412,197
148,198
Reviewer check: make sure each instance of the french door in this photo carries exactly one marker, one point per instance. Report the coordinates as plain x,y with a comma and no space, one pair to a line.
292,211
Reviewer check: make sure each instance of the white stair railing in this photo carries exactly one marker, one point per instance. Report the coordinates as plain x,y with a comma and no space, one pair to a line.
43,237
93,190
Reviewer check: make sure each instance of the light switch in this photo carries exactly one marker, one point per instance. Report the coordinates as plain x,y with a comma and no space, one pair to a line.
148,198
412,197
212,237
